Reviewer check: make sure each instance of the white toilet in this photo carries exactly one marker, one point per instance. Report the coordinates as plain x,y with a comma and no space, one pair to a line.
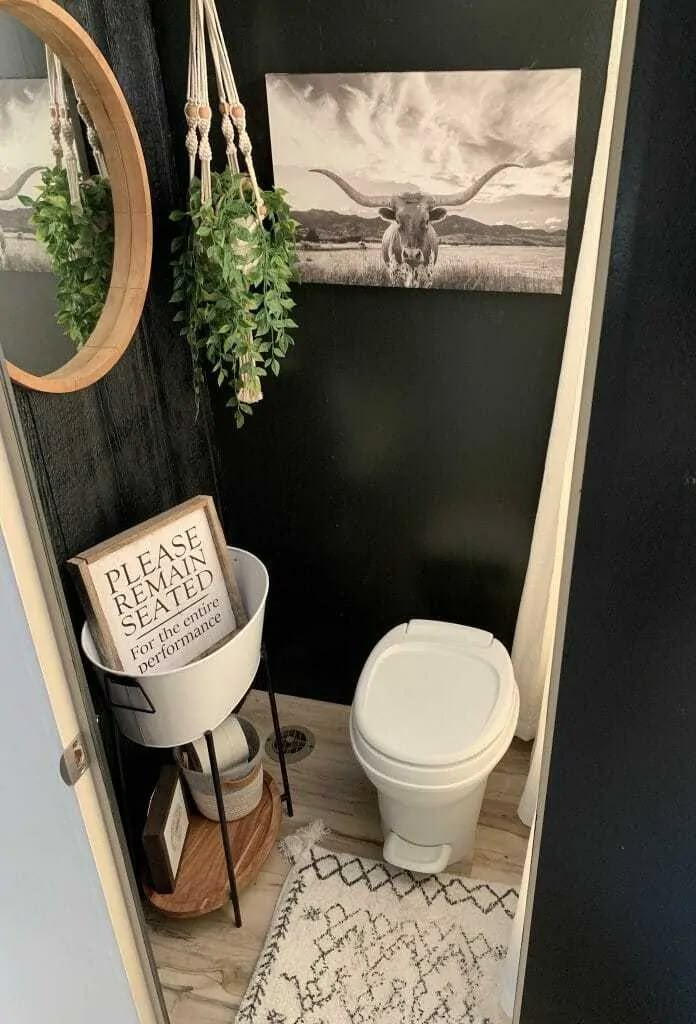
434,711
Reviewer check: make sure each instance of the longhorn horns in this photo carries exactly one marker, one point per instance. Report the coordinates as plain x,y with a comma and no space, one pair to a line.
459,198
11,191
441,199
357,197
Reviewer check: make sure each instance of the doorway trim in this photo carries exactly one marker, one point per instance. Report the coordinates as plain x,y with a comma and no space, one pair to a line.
619,74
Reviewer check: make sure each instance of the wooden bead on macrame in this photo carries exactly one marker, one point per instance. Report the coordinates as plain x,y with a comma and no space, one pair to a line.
238,116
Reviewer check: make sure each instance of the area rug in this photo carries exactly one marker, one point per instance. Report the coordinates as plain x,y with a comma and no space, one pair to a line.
355,941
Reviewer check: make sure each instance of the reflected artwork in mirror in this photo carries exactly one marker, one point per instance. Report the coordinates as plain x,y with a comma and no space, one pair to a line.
73,203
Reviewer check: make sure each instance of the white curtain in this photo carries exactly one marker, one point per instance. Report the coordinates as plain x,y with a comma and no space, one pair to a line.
532,648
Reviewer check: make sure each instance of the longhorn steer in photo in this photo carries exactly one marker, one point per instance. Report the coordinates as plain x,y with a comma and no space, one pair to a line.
410,242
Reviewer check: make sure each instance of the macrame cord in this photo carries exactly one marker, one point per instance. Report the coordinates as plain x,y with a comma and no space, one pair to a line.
92,137
197,109
62,127
203,16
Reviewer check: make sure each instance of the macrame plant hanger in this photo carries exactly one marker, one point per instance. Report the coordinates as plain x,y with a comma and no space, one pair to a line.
61,126
203,16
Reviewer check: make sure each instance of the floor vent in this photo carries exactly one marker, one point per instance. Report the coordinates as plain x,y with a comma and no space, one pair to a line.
298,743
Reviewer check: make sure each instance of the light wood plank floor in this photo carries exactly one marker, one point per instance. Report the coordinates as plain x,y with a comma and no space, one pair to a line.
205,964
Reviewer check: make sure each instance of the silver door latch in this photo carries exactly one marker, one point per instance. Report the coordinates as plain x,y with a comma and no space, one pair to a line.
74,761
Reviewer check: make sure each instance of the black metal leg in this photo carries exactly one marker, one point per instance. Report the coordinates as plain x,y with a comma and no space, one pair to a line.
120,786
286,798
223,827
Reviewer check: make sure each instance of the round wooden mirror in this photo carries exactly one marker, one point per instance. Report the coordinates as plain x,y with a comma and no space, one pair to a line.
132,219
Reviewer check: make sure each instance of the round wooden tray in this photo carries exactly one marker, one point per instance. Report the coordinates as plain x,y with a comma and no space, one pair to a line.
201,882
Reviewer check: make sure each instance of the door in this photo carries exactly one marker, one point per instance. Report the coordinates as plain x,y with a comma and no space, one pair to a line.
71,946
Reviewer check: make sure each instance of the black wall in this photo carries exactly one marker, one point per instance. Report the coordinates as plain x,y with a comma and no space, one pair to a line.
613,930
394,469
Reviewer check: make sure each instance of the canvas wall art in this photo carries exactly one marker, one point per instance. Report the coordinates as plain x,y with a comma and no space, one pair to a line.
454,179
25,149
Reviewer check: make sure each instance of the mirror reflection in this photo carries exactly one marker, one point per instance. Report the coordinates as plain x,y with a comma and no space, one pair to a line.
56,212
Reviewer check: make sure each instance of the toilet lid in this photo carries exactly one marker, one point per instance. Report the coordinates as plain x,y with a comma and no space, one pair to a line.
434,700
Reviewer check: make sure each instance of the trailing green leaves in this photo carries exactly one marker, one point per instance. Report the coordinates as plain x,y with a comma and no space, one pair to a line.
232,279
80,243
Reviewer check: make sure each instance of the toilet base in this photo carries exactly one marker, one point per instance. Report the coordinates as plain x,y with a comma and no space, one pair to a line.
418,832
424,860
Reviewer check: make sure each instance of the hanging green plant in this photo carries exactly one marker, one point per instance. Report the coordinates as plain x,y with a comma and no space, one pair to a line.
232,274
80,243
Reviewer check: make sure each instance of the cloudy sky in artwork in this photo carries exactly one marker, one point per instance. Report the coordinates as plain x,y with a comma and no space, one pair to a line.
429,131
25,139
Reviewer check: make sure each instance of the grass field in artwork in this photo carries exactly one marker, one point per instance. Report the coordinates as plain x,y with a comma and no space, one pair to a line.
22,252
499,268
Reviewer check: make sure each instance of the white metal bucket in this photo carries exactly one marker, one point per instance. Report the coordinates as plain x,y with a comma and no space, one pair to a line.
170,708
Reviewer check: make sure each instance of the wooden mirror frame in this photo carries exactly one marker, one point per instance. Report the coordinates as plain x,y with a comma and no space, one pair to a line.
120,144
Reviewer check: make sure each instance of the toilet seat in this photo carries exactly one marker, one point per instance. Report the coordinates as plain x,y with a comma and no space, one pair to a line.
436,705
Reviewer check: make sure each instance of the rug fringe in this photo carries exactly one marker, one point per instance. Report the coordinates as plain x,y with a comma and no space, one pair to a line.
293,847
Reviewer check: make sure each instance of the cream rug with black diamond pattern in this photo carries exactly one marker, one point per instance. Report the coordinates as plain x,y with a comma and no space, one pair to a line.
355,941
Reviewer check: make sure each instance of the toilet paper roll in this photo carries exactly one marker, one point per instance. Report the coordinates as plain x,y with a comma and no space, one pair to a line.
231,747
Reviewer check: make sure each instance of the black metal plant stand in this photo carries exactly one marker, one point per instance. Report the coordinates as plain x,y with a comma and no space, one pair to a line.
215,772
286,797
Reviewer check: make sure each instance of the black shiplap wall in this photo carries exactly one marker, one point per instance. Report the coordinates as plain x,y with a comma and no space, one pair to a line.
393,470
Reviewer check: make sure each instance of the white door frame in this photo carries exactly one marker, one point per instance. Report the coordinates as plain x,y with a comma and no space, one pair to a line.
32,562
591,280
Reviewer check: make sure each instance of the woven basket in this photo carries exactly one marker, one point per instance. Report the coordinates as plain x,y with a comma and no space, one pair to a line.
242,786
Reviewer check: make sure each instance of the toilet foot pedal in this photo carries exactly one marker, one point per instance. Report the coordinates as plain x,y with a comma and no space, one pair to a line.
426,860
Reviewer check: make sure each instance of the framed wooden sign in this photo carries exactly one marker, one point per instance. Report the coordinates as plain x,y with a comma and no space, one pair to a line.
165,829
163,593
